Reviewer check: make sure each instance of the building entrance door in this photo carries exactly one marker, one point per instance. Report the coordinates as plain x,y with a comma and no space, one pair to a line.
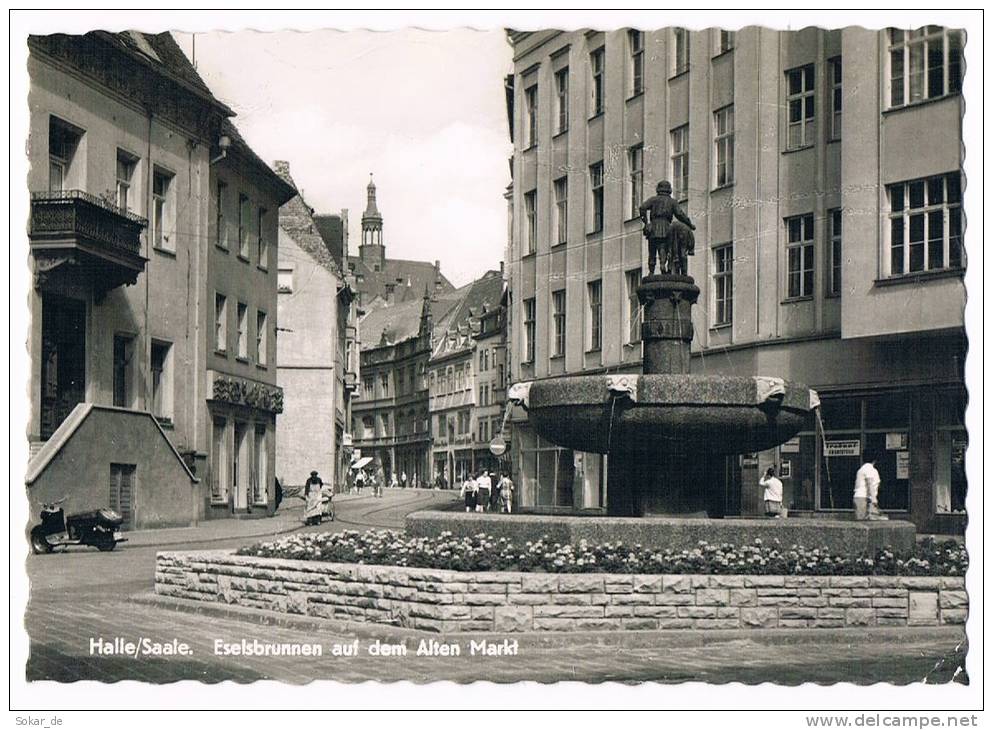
242,466
122,493
63,359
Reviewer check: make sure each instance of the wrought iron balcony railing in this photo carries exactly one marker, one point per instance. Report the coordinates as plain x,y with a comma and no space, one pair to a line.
76,214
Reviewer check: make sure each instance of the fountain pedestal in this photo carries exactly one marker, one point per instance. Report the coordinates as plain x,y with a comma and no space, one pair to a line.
667,328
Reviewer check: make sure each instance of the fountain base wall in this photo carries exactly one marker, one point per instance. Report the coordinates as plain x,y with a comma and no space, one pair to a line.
675,533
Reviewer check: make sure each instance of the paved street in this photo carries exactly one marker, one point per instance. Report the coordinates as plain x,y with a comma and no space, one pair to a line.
103,588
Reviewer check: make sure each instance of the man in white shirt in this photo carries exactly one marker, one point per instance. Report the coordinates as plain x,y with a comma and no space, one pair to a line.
866,489
773,494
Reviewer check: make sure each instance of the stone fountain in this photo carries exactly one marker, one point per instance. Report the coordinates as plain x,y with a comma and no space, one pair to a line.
662,429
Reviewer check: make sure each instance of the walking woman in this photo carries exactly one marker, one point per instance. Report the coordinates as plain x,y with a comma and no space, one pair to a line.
468,493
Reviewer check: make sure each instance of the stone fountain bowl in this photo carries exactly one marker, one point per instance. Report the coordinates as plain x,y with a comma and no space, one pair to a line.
653,415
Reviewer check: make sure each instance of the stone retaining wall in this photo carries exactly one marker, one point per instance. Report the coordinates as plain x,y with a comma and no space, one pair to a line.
449,601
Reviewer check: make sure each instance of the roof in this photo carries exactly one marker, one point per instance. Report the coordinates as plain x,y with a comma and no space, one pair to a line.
332,230
414,278
399,322
297,219
455,331
284,187
161,51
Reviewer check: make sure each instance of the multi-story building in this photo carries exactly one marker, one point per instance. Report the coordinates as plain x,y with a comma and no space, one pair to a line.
390,410
823,171
238,320
382,281
317,366
462,380
125,141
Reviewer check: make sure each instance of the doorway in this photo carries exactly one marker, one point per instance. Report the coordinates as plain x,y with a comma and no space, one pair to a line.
241,468
122,493
63,359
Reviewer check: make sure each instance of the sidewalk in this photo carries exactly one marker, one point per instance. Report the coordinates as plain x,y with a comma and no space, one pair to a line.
287,519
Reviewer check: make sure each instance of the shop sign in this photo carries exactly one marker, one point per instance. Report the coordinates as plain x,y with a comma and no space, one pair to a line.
749,461
896,441
786,470
791,447
903,465
843,447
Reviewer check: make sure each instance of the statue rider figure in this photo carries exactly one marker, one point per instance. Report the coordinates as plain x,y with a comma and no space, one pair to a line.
673,238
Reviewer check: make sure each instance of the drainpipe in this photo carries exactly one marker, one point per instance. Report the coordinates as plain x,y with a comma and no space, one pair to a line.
147,340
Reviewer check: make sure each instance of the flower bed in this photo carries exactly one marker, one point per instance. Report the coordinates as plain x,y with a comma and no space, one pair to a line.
484,553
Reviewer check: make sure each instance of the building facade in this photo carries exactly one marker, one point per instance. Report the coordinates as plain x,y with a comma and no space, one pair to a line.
239,322
317,368
829,242
462,381
390,410
123,139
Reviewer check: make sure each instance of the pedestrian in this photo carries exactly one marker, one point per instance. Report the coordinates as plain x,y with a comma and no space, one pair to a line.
313,497
866,494
279,495
506,493
359,481
495,488
468,493
394,483
484,487
403,480
773,494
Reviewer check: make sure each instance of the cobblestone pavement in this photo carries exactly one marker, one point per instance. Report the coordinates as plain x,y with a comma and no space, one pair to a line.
99,587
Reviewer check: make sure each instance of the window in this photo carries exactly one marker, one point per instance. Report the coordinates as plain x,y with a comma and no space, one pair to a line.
924,64
244,215
220,223
636,178
632,280
562,100
161,368
162,211
926,224
125,172
384,385
723,284
681,45
596,194
123,375
220,323
834,267
724,145
263,243
725,41
63,139
284,279
636,45
680,162
834,74
596,67
368,388
531,110
594,296
558,323
561,210
219,462
242,330
261,337
531,215
529,315
800,255
260,472
800,107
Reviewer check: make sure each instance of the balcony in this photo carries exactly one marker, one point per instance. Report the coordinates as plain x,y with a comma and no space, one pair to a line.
75,235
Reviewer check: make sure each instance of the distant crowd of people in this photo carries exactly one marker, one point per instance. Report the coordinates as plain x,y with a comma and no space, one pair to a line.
483,493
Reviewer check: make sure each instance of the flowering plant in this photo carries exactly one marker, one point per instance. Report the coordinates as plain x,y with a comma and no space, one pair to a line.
483,552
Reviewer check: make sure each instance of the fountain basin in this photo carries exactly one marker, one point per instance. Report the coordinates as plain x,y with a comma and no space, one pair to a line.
646,415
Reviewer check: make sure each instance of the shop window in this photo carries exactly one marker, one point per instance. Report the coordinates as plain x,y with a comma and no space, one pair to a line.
949,471
893,464
887,411
841,413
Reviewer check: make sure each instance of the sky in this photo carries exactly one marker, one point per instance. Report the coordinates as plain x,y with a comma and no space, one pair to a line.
423,111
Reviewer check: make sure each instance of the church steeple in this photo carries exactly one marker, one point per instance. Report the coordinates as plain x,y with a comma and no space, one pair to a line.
372,251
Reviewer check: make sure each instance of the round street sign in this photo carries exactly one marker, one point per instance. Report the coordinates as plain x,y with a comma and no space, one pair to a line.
498,447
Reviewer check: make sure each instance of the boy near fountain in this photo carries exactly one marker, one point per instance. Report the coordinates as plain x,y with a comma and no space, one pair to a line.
468,493
773,494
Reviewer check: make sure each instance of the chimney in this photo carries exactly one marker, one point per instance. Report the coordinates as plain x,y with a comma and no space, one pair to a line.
282,168
501,268
390,295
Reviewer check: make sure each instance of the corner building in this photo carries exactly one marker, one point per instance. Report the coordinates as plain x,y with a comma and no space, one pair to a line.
823,171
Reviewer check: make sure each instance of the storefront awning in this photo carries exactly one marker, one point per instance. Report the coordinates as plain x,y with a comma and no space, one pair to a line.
362,462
